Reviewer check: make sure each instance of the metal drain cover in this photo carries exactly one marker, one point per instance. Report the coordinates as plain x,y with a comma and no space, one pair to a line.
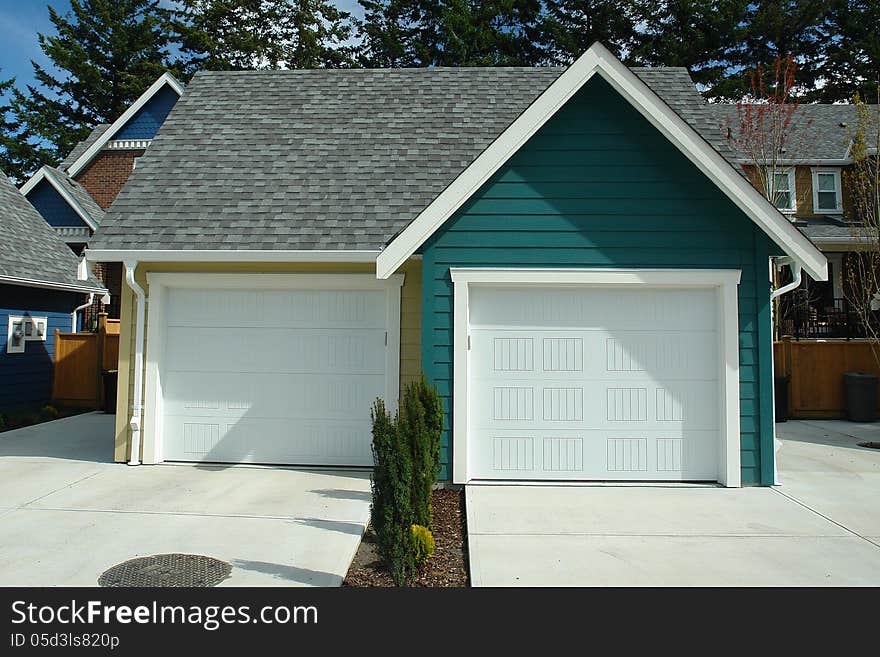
167,570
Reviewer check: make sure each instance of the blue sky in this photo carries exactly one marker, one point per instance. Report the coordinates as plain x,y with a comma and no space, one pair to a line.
20,20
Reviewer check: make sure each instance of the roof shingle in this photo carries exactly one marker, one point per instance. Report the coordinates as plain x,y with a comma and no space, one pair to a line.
324,159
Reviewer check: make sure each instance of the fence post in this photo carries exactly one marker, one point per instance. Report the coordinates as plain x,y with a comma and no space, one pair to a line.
99,355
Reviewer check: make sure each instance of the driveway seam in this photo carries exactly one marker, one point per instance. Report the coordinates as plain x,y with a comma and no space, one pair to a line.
822,515
60,488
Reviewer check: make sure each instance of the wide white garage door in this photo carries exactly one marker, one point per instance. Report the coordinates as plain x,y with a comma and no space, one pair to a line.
271,376
594,383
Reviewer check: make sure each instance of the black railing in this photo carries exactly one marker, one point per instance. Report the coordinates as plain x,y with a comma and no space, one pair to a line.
803,318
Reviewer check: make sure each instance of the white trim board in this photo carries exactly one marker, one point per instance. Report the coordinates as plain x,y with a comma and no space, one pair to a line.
227,255
725,281
89,154
45,174
598,60
159,282
49,285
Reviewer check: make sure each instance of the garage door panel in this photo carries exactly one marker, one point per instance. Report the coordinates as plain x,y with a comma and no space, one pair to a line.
303,351
604,455
593,404
322,395
226,440
282,376
572,307
571,390
519,354
277,308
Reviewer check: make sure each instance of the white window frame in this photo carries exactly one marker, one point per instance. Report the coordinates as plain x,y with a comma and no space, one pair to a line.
724,281
157,292
792,188
838,190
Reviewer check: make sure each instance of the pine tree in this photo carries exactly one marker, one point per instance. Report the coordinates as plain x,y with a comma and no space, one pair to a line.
849,62
449,33
262,34
696,34
108,53
770,31
570,27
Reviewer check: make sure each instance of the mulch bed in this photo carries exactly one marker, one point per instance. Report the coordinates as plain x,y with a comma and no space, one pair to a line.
447,567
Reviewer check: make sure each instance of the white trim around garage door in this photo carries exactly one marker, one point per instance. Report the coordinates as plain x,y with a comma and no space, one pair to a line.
160,282
725,281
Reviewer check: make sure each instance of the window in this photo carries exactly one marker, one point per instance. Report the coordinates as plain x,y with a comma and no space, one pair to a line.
782,190
826,190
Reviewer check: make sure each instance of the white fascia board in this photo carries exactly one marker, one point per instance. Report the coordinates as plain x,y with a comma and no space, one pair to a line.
198,255
599,60
33,181
45,174
49,285
89,154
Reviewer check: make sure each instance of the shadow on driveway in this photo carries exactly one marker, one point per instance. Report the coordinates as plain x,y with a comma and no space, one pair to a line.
289,574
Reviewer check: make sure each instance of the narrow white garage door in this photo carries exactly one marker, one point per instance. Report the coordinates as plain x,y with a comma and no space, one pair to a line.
272,376
594,383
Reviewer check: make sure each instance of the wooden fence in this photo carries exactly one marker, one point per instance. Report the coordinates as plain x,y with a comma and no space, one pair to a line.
80,359
816,368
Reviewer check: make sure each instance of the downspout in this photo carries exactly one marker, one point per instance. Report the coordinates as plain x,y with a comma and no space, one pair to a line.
77,309
137,410
797,272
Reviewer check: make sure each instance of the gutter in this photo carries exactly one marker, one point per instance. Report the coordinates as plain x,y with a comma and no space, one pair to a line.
77,309
49,285
137,409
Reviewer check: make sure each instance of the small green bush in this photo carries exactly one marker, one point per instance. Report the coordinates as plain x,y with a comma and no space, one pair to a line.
391,509
424,543
421,423
49,412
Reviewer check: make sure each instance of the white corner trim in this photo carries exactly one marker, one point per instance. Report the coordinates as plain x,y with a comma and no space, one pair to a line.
725,281
228,255
158,284
88,155
599,60
45,174
838,189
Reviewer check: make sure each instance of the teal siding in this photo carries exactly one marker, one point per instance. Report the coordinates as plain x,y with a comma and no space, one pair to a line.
598,186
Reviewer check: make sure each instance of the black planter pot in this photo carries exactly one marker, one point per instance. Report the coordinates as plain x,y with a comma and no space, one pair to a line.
861,396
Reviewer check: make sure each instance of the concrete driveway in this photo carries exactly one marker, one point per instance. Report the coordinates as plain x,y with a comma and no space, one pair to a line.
820,527
67,513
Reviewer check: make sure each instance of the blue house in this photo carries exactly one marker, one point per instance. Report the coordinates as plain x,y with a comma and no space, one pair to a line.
41,288
73,196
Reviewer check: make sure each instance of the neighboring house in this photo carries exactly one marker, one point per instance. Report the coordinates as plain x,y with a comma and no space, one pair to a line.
811,189
581,273
73,197
40,291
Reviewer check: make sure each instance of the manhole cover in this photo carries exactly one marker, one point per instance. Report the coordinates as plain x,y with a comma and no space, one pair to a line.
870,445
167,570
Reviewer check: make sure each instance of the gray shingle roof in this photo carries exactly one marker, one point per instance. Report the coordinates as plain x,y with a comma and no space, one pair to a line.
30,247
82,146
79,194
822,132
323,159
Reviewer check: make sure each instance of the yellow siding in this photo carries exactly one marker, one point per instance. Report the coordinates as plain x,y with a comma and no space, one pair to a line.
410,321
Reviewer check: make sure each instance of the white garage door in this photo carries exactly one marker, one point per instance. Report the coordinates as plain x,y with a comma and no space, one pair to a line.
594,383
272,376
